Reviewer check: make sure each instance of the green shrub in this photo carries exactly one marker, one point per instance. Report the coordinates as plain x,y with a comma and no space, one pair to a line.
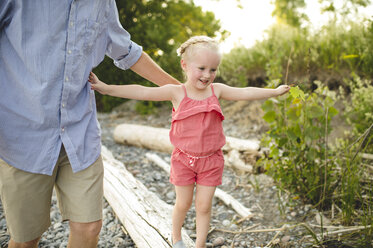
302,162
358,104
299,158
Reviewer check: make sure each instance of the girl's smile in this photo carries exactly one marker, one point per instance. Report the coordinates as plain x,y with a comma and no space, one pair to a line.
201,68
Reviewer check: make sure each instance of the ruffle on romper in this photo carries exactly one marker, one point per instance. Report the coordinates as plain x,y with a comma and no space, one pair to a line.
197,108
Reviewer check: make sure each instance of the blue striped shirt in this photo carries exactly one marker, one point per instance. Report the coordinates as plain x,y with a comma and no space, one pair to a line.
47,49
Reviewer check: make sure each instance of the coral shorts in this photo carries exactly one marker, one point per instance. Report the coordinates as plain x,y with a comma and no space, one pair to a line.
186,170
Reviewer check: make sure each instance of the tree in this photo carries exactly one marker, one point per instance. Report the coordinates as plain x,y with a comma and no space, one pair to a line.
290,11
287,11
160,26
347,6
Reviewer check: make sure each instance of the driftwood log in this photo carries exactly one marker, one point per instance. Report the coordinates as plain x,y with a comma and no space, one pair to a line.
146,218
158,139
220,194
367,156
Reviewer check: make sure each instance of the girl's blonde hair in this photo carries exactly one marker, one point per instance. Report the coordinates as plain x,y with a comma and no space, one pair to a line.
188,46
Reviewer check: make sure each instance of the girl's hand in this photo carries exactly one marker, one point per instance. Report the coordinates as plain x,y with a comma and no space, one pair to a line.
282,89
97,85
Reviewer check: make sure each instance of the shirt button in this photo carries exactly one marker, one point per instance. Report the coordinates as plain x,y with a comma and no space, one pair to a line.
63,105
71,24
66,79
69,51
63,129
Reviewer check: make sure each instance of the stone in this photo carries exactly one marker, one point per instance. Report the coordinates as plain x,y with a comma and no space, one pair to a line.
218,241
285,239
226,222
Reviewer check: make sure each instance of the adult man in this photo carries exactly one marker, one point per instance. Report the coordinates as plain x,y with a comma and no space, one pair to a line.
49,134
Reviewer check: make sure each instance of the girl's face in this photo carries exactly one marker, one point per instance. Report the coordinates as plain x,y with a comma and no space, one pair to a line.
201,67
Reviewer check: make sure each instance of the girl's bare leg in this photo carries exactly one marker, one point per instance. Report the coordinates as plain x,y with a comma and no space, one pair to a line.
204,195
184,199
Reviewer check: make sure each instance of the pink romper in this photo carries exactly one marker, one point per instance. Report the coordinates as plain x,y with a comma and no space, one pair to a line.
197,135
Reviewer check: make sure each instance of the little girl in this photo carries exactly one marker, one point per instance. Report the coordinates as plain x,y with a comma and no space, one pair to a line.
196,129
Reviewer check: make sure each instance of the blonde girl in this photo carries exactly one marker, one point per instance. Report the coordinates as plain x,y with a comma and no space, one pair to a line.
196,130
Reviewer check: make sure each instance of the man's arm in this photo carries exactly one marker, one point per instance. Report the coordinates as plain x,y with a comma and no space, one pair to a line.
148,69
127,54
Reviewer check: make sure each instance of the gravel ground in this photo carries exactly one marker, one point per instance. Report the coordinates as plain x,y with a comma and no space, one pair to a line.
271,208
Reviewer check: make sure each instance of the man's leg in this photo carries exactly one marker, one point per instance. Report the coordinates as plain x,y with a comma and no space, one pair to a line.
80,198
84,235
29,244
26,199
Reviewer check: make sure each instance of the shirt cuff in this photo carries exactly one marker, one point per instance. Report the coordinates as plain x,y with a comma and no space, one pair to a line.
127,61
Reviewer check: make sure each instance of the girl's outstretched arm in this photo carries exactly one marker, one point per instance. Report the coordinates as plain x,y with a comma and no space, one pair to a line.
133,91
226,92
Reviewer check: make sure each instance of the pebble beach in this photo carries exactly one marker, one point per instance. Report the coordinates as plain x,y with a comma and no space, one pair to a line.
272,209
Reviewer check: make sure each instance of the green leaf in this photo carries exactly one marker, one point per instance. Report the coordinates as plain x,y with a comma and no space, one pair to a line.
332,112
350,56
268,105
292,135
311,154
315,111
296,92
282,141
270,116
297,130
293,114
274,152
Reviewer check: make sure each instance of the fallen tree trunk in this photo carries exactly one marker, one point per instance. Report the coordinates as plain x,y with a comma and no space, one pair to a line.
158,139
146,217
367,156
220,194
143,136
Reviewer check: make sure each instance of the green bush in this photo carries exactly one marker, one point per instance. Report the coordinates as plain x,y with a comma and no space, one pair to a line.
302,162
299,158
358,104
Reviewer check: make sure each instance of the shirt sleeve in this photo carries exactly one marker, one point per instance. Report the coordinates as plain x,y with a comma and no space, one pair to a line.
6,7
120,48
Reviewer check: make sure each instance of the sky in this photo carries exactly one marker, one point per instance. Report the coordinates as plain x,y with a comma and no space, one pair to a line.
249,23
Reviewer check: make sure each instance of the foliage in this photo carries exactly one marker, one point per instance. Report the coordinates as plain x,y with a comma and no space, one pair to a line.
301,160
299,157
355,192
345,48
291,54
288,12
160,26
268,59
348,6
359,105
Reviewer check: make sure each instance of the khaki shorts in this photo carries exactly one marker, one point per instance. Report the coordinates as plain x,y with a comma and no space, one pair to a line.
26,197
